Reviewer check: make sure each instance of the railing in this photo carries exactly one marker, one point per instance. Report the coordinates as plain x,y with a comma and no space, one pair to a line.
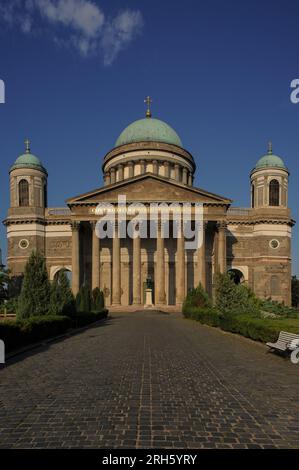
59,211
238,211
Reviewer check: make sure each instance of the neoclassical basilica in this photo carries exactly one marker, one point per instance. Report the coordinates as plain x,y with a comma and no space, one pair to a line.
148,163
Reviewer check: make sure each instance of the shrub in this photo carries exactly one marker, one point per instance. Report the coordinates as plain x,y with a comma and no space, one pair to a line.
83,299
62,301
35,293
16,334
279,309
85,318
98,302
207,315
258,329
232,299
197,297
11,306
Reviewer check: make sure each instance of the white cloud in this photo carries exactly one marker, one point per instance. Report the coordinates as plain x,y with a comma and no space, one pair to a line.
80,24
119,32
82,15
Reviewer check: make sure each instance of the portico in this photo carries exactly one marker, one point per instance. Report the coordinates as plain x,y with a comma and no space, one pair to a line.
120,266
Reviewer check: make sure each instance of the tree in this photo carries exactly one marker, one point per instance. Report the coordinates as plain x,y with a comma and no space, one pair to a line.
35,293
4,283
98,302
83,299
231,298
198,297
62,301
295,291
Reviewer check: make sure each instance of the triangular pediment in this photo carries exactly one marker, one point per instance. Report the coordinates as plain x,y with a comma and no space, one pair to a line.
148,188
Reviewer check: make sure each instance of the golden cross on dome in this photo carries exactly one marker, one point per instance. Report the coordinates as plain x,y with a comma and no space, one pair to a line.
27,145
270,148
148,101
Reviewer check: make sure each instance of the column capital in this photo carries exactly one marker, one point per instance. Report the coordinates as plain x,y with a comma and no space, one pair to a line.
221,224
93,224
75,225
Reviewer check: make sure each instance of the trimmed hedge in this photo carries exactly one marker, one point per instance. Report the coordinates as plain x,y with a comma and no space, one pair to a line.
82,319
258,329
19,333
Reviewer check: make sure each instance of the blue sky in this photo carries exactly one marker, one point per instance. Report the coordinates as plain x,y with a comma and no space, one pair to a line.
76,73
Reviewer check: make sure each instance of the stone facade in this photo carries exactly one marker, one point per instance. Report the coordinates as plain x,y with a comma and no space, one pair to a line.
255,242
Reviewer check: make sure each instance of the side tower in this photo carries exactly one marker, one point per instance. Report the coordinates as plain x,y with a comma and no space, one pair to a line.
26,215
271,247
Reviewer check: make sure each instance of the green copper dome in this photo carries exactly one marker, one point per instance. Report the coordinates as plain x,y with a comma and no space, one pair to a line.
270,160
148,129
27,159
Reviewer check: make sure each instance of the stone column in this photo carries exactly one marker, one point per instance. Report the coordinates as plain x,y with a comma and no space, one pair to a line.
190,179
177,172
201,258
222,246
120,172
107,178
116,274
167,169
131,169
155,167
185,176
75,258
112,176
160,297
137,270
95,277
180,269
142,167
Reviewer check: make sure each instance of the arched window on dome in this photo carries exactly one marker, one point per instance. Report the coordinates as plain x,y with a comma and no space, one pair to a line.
23,193
274,193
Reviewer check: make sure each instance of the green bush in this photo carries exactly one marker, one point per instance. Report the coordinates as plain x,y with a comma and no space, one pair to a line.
35,293
279,309
98,302
62,301
234,299
83,299
85,318
258,329
197,297
17,334
207,315
11,306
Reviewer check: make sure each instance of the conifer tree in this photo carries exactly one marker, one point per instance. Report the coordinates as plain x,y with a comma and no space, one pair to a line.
62,300
97,299
35,293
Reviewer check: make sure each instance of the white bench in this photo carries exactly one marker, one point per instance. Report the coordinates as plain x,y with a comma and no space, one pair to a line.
283,342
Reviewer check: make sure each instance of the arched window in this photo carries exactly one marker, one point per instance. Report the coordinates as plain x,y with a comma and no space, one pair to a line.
274,193
45,195
236,275
23,193
252,195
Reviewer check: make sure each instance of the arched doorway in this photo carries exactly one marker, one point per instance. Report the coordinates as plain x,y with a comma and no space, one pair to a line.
236,275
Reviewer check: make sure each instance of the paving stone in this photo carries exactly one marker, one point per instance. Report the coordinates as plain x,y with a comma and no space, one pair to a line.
146,380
